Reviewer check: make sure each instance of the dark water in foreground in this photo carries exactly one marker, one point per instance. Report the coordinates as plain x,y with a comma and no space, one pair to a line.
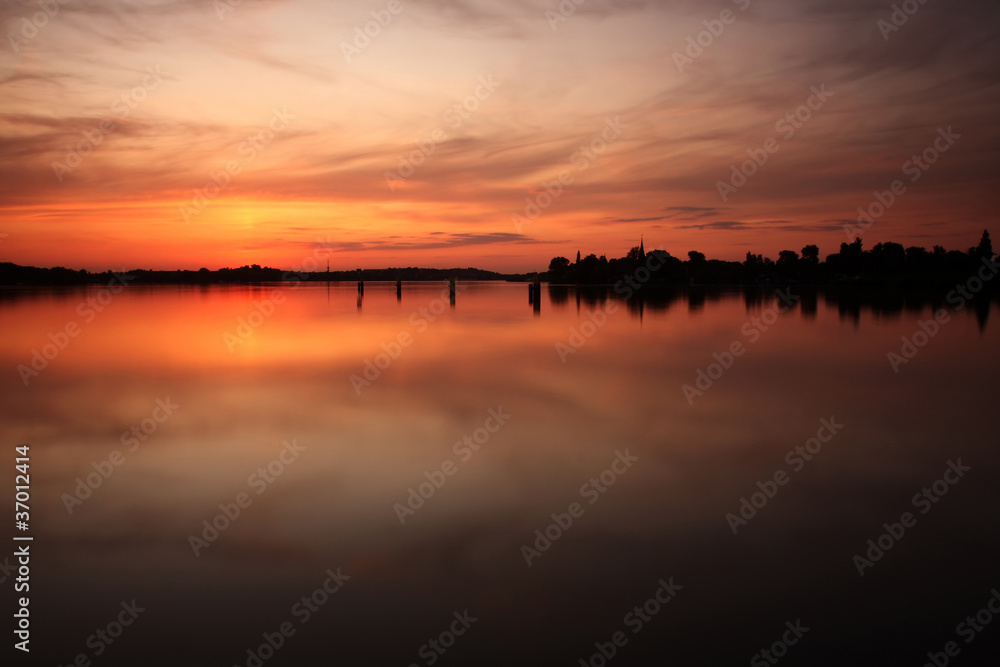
479,412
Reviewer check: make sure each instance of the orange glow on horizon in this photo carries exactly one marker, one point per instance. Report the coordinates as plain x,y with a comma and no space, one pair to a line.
213,143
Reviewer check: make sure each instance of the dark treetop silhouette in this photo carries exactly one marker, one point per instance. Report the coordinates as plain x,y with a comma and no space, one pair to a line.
885,264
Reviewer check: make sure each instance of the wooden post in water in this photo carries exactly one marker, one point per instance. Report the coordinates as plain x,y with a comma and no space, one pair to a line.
537,286
451,290
531,293
361,283
399,290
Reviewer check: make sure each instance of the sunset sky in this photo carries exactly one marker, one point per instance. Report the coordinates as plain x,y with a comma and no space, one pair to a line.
114,115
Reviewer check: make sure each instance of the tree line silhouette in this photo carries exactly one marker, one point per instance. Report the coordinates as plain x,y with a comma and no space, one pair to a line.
13,274
885,264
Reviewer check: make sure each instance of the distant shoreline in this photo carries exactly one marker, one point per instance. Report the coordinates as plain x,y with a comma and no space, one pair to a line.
887,264
29,276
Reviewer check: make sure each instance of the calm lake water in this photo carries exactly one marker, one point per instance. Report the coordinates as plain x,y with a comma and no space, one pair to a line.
426,480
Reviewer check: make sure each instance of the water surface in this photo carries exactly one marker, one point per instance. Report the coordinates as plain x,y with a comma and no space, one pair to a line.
584,380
